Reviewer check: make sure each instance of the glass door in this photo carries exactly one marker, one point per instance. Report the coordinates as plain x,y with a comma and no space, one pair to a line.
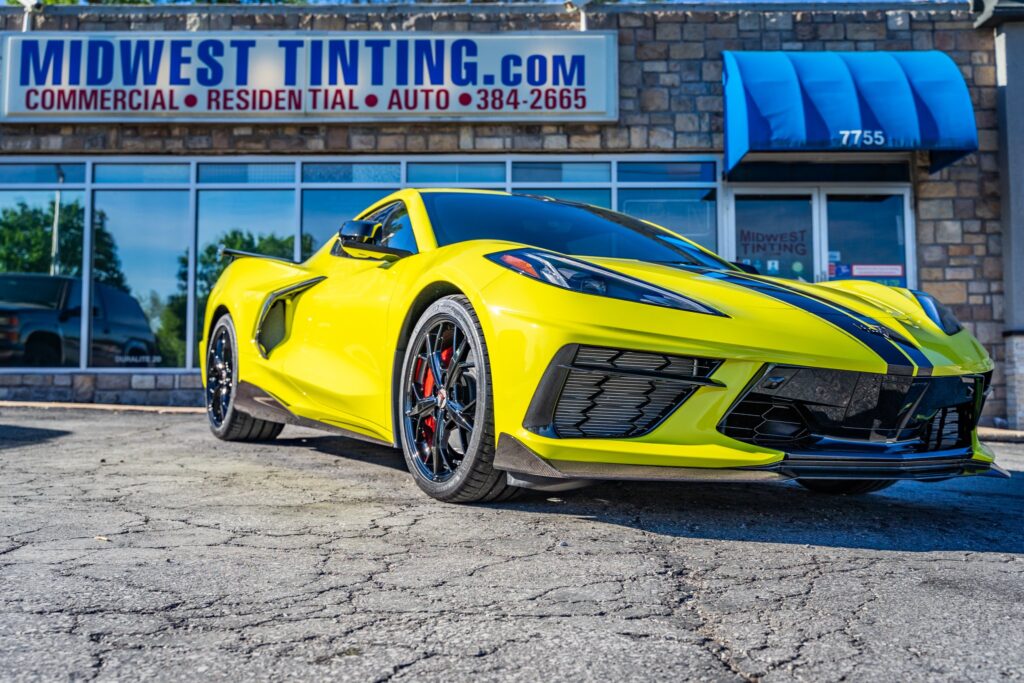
868,237
816,233
775,232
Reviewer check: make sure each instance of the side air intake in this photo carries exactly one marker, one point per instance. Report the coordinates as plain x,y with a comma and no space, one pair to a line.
598,392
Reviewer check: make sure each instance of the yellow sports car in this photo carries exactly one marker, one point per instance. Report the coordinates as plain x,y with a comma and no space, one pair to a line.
508,341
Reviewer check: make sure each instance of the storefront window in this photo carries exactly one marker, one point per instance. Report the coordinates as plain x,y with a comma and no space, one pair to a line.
561,172
774,233
42,173
691,213
140,278
456,172
246,173
596,197
666,171
352,173
259,221
40,275
323,212
147,213
867,238
140,174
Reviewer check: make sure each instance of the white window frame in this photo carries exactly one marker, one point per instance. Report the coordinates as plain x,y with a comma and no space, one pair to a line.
296,185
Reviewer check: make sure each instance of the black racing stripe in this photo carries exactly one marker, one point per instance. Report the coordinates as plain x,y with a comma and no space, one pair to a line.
905,345
900,358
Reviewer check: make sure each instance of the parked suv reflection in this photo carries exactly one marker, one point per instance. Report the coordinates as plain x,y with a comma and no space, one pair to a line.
40,324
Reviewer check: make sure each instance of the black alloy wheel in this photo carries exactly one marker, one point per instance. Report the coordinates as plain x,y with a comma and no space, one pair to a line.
444,403
227,423
220,362
440,400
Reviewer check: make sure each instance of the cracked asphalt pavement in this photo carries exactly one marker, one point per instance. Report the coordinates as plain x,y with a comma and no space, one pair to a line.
134,545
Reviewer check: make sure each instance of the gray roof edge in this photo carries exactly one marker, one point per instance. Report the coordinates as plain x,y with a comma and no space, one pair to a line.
462,8
992,13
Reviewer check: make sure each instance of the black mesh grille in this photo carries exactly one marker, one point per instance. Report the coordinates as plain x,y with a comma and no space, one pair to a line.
614,393
684,366
799,408
765,422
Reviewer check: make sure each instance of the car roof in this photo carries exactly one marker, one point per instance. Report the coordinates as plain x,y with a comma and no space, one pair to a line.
45,276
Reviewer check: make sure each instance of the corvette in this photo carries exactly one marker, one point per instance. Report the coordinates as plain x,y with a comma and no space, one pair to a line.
509,341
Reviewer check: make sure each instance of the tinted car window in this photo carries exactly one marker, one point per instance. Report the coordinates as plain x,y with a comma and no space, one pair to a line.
381,215
33,291
565,227
398,231
122,309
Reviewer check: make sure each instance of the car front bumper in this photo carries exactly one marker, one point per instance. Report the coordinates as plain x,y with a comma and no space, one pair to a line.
527,469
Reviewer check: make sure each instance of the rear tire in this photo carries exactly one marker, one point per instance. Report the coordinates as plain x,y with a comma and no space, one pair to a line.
845,487
447,422
226,423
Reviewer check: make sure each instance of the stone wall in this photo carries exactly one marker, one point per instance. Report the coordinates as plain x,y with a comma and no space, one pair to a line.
138,388
670,100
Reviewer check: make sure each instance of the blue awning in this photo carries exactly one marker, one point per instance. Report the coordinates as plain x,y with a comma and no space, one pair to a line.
846,101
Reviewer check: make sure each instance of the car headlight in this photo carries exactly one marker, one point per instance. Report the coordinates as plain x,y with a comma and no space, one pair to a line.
939,312
577,276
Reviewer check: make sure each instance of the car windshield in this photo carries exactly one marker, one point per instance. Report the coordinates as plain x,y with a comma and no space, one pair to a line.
565,227
30,290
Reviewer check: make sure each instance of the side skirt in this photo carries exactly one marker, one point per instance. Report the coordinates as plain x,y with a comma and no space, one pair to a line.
254,401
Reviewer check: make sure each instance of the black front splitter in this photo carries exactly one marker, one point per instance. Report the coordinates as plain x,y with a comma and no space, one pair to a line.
527,469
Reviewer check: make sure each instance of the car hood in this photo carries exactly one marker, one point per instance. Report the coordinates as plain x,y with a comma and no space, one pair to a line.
885,319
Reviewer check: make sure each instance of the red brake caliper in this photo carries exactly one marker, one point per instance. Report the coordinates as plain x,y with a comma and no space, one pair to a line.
429,384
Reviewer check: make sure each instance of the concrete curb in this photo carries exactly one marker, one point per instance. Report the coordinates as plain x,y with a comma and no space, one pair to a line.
47,405
1000,435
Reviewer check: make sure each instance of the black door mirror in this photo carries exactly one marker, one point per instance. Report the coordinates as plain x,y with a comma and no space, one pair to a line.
356,239
746,268
358,232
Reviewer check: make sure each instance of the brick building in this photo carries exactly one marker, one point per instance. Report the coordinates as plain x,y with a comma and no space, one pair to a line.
159,191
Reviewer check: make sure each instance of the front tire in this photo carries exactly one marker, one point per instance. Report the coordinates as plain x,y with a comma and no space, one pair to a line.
446,409
226,423
845,487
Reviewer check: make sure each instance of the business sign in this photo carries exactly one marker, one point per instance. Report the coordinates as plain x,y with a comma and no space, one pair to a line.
284,76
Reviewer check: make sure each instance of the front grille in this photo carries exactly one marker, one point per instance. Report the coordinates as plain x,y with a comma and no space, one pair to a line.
801,409
766,422
614,393
617,359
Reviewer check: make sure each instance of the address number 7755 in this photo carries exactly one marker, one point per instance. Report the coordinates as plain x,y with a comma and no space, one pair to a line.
862,138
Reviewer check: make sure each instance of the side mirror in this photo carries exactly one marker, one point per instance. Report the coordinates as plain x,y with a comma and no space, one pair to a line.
355,239
746,268
352,232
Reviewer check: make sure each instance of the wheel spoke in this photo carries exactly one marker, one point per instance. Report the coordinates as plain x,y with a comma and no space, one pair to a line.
435,367
422,407
436,445
456,365
434,358
455,413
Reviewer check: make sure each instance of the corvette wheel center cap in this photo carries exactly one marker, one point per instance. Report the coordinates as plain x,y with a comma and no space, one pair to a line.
442,398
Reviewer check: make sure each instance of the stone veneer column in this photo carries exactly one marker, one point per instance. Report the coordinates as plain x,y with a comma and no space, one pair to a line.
1010,66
